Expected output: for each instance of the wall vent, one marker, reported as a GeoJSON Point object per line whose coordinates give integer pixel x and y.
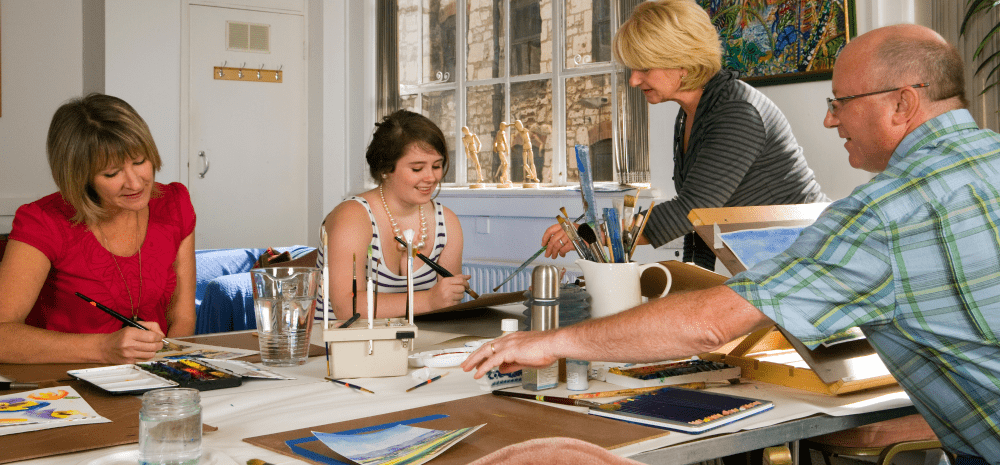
{"type": "Point", "coordinates": [246, 37]}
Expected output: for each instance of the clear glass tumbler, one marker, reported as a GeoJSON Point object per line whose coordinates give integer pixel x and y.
{"type": "Point", "coordinates": [170, 427]}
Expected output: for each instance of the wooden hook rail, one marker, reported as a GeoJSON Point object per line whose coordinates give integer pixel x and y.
{"type": "Point", "coordinates": [247, 74]}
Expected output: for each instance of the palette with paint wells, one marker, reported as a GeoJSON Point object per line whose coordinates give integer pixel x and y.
{"type": "Point", "coordinates": [141, 377]}
{"type": "Point", "coordinates": [672, 373]}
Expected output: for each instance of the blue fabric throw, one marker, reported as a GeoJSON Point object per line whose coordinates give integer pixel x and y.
{"type": "Point", "coordinates": [224, 295]}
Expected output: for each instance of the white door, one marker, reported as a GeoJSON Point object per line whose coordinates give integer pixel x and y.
{"type": "Point", "coordinates": [247, 153]}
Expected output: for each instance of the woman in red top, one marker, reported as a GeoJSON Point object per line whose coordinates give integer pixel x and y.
{"type": "Point", "coordinates": [110, 233]}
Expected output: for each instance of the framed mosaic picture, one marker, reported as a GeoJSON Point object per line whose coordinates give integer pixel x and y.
{"type": "Point", "coordinates": [781, 41]}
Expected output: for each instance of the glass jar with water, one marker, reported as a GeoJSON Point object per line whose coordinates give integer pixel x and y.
{"type": "Point", "coordinates": [170, 427]}
{"type": "Point", "coordinates": [285, 305]}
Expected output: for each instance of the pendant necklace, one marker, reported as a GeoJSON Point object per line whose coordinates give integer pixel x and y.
{"type": "Point", "coordinates": [395, 227]}
{"type": "Point", "coordinates": [132, 305]}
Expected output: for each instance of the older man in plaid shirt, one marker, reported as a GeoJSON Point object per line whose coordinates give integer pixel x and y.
{"type": "Point", "coordinates": [911, 257]}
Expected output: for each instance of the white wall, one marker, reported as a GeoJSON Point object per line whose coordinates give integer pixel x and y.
{"type": "Point", "coordinates": [143, 67]}
{"type": "Point", "coordinates": [42, 67]}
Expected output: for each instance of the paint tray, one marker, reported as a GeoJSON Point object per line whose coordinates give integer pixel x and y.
{"type": "Point", "coordinates": [122, 379]}
{"type": "Point", "coordinates": [672, 373]}
{"type": "Point", "coordinates": [146, 376]}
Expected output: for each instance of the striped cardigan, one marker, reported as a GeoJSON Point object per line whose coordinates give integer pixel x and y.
{"type": "Point", "coordinates": [741, 151]}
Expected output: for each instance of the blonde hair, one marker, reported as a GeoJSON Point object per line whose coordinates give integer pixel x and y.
{"type": "Point", "coordinates": [86, 136]}
{"type": "Point", "coordinates": [670, 34]}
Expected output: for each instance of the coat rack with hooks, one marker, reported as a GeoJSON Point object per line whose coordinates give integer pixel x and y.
{"type": "Point", "coordinates": [243, 73]}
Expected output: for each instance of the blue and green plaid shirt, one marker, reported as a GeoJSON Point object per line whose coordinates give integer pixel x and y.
{"type": "Point", "coordinates": [913, 259]}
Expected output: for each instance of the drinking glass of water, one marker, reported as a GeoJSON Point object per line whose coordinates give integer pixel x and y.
{"type": "Point", "coordinates": [170, 427]}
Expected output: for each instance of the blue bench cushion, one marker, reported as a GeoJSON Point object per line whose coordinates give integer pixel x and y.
{"type": "Point", "coordinates": [224, 295]}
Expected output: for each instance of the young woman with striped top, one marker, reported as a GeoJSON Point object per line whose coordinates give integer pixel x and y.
{"type": "Point", "coordinates": [407, 157]}
{"type": "Point", "coordinates": [732, 145]}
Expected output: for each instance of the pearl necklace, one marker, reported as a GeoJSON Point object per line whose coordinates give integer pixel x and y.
{"type": "Point", "coordinates": [133, 307]}
{"type": "Point", "coordinates": [395, 227]}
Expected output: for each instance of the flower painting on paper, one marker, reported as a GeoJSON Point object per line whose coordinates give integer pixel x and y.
{"type": "Point", "coordinates": [775, 41]}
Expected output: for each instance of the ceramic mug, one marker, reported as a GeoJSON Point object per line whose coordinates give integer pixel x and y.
{"type": "Point", "coordinates": [614, 287]}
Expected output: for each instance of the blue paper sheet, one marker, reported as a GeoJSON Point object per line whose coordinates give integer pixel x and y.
{"type": "Point", "coordinates": [753, 246]}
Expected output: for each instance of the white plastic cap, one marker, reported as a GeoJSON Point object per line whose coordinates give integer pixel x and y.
{"type": "Point", "coordinates": [509, 325]}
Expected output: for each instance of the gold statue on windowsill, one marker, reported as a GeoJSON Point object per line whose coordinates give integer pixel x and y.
{"type": "Point", "coordinates": [503, 150]}
{"type": "Point", "coordinates": [528, 155]}
{"type": "Point", "coordinates": [472, 146]}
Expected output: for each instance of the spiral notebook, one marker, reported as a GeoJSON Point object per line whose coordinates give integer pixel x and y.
{"type": "Point", "coordinates": [685, 410]}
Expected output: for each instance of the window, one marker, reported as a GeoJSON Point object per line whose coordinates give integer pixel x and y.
{"type": "Point", "coordinates": [545, 63]}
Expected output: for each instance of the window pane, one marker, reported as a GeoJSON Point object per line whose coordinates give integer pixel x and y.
{"type": "Point", "coordinates": [485, 53]}
{"type": "Point", "coordinates": [530, 37]}
{"type": "Point", "coordinates": [408, 42]}
{"type": "Point", "coordinates": [484, 112]}
{"type": "Point", "coordinates": [440, 108]}
{"type": "Point", "coordinates": [588, 122]}
{"type": "Point", "coordinates": [408, 102]}
{"type": "Point", "coordinates": [588, 31]}
{"type": "Point", "coordinates": [531, 103]}
{"type": "Point", "coordinates": [439, 40]}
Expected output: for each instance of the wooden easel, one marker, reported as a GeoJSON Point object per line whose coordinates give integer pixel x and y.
{"type": "Point", "coordinates": [838, 369]}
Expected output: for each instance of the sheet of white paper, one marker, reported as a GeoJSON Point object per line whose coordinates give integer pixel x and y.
{"type": "Point", "coordinates": [43, 409]}
{"type": "Point", "coordinates": [193, 350]}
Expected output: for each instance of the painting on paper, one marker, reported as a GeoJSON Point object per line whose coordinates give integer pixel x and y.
{"type": "Point", "coordinates": [781, 41]}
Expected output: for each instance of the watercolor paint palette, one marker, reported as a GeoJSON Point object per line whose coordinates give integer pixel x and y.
{"type": "Point", "coordinates": [679, 372]}
{"type": "Point", "coordinates": [141, 377]}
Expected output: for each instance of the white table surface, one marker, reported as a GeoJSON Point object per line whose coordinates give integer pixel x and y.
{"type": "Point", "coordinates": [260, 407]}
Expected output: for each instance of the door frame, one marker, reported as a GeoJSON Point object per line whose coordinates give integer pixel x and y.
{"type": "Point", "coordinates": [267, 6]}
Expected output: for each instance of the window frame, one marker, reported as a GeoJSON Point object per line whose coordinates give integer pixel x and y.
{"type": "Point", "coordinates": [558, 76]}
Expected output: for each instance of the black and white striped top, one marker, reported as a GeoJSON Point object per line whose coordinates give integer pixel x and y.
{"type": "Point", "coordinates": [741, 152]}
{"type": "Point", "coordinates": [423, 279]}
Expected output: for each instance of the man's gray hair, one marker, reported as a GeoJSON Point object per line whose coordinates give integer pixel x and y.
{"type": "Point", "coordinates": [900, 60]}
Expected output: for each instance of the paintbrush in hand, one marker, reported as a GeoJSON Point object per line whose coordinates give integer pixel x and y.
{"type": "Point", "coordinates": [531, 258]}
{"type": "Point", "coordinates": [439, 269]}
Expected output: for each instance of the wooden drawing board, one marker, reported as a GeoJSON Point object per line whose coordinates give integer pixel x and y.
{"type": "Point", "coordinates": [508, 421]}
{"type": "Point", "coordinates": [123, 411]}
{"type": "Point", "coordinates": [837, 369]}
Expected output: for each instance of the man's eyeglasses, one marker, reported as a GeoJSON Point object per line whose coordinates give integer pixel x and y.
{"type": "Point", "coordinates": [830, 102]}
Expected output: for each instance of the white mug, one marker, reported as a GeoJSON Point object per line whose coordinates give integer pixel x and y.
{"type": "Point", "coordinates": [614, 287]}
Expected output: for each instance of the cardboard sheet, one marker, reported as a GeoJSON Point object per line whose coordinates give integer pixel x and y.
{"type": "Point", "coordinates": [508, 421]}
{"type": "Point", "coordinates": [123, 411]}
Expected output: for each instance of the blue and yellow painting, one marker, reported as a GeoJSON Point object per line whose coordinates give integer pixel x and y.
{"type": "Point", "coordinates": [768, 38]}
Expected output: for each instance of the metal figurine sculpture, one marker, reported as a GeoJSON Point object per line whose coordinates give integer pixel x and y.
{"type": "Point", "coordinates": [500, 147]}
{"type": "Point", "coordinates": [528, 155]}
{"type": "Point", "coordinates": [472, 146]}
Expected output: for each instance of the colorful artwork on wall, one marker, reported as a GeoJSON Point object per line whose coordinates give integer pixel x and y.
{"type": "Point", "coordinates": [781, 41]}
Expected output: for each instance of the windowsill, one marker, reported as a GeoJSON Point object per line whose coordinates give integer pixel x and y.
{"type": "Point", "coordinates": [540, 202]}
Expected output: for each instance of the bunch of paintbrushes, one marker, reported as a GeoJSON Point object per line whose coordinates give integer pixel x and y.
{"type": "Point", "coordinates": [611, 241]}
{"type": "Point", "coordinates": [614, 240]}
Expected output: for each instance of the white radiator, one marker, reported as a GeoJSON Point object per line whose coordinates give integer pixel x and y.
{"type": "Point", "coordinates": [487, 275]}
